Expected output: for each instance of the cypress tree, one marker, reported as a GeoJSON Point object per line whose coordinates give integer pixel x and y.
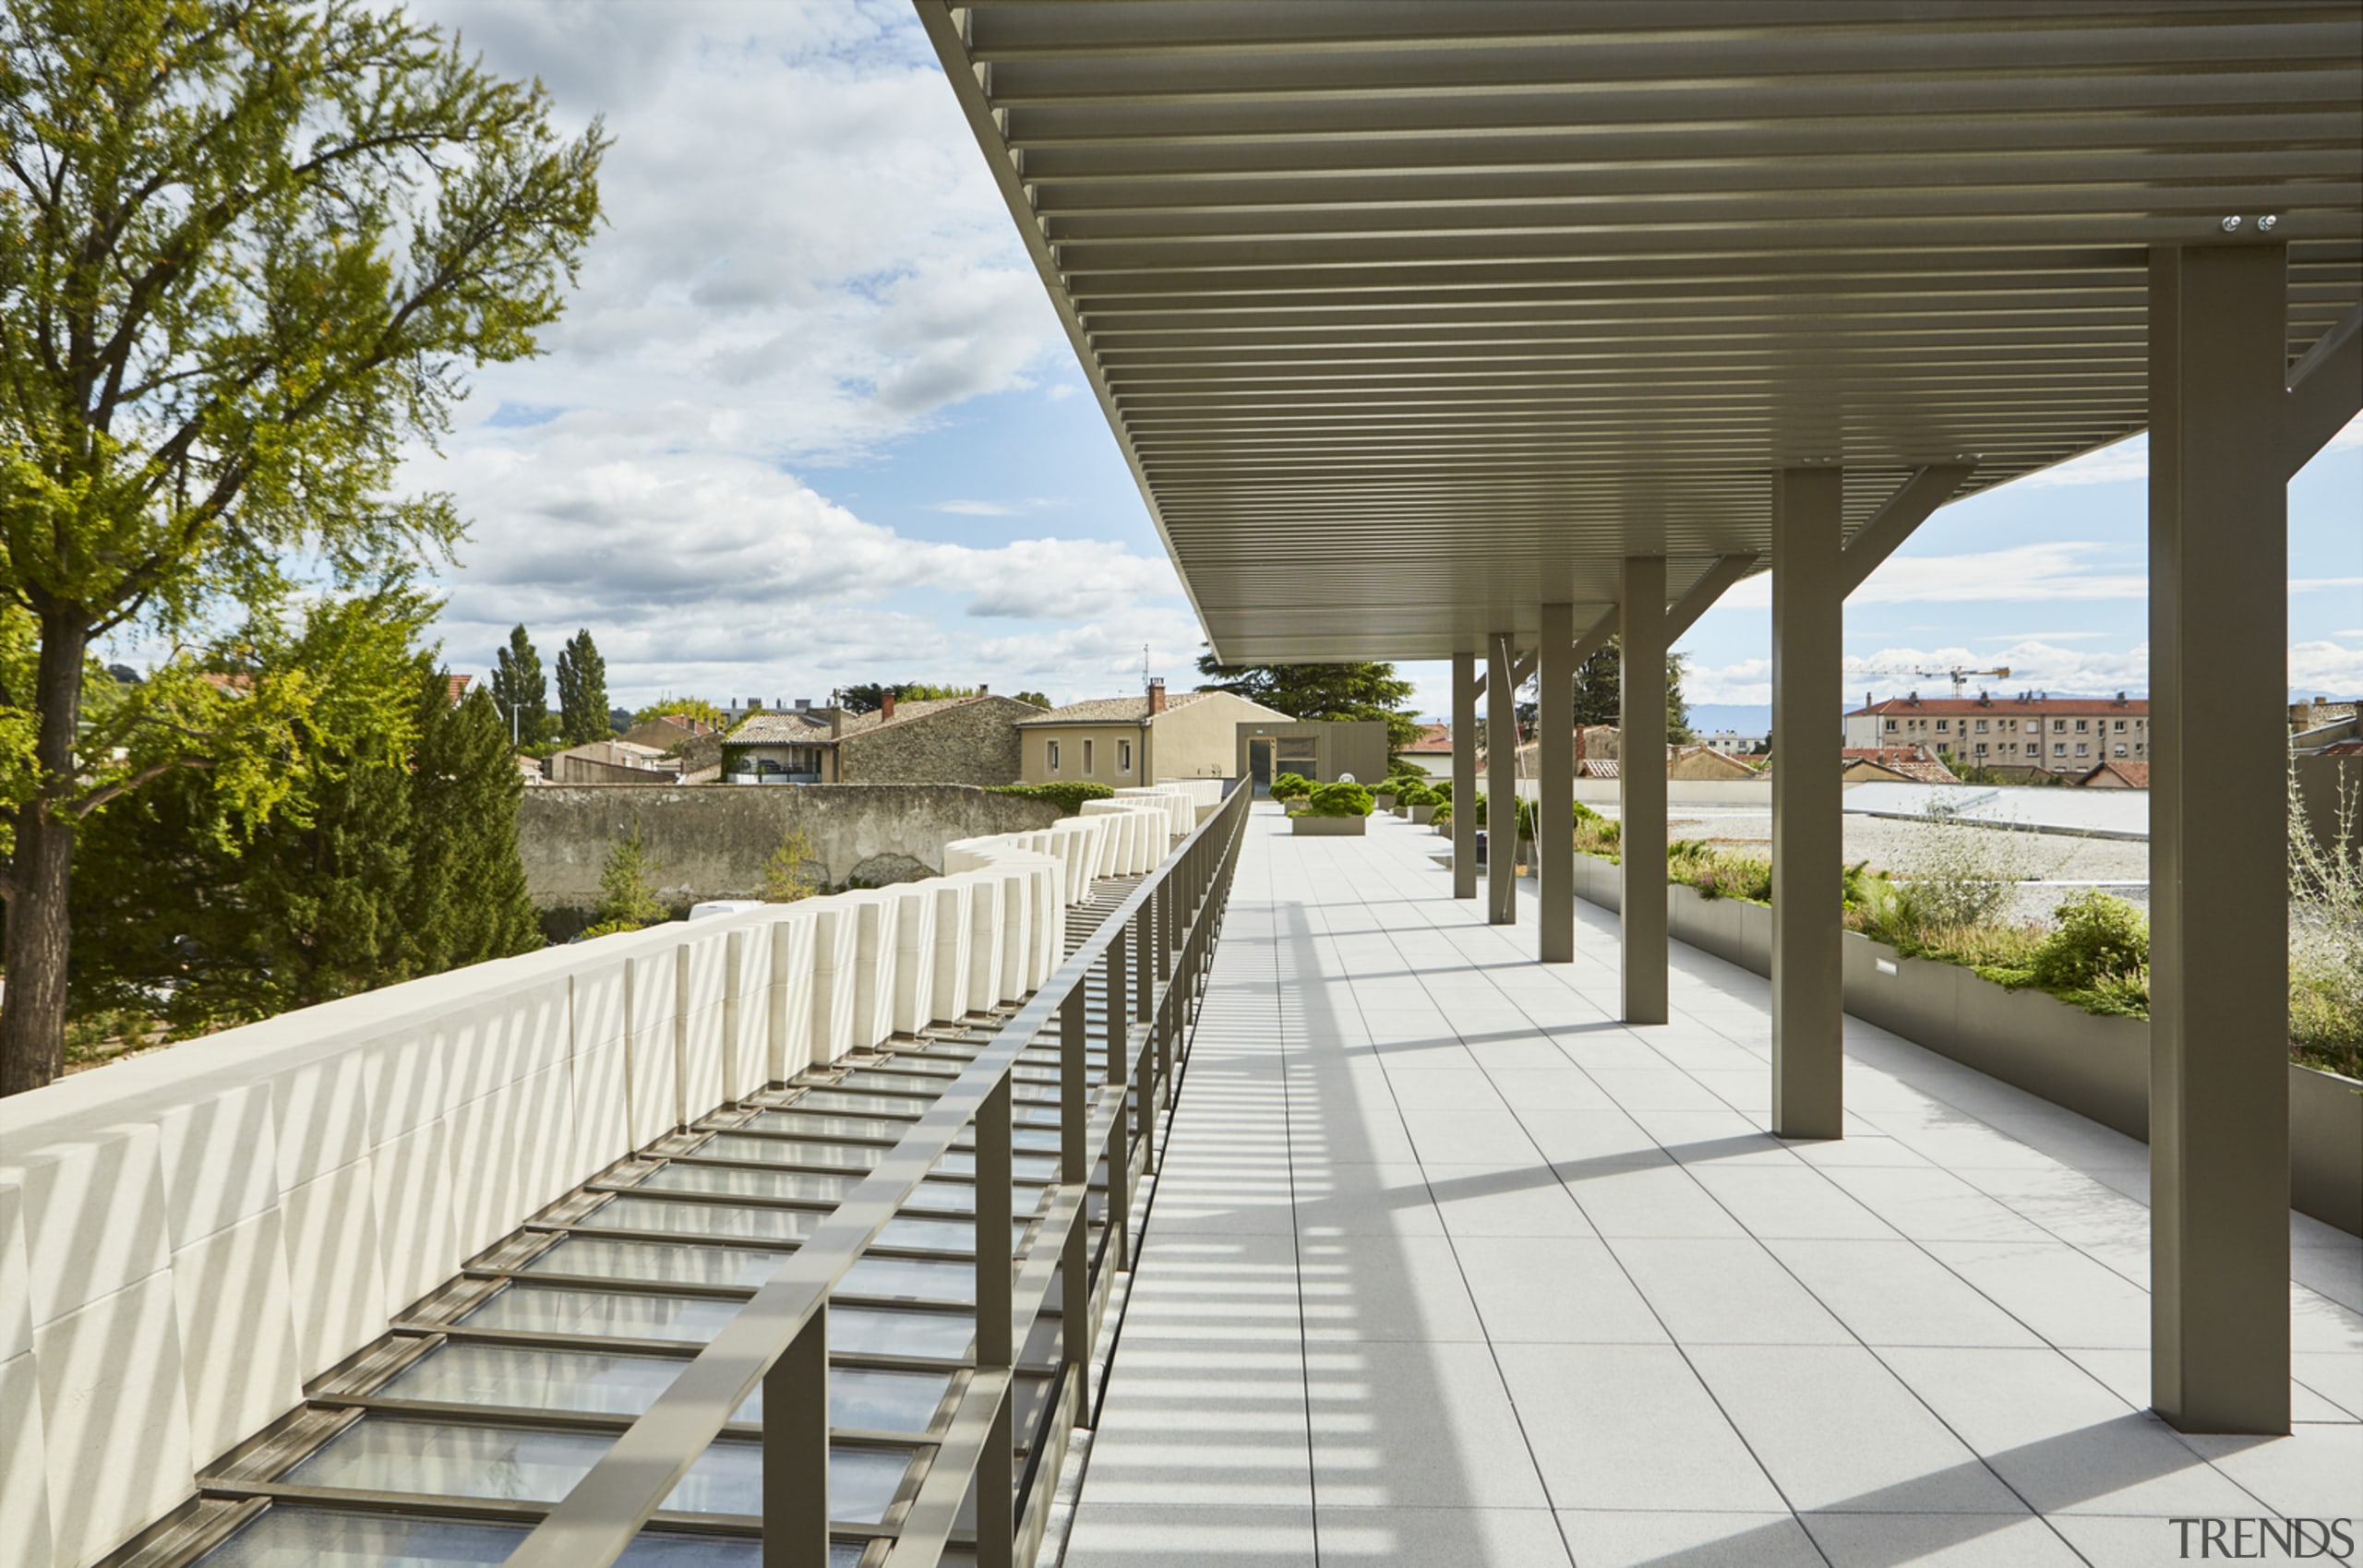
{"type": "Point", "coordinates": [581, 691]}
{"type": "Point", "coordinates": [467, 900]}
{"type": "Point", "coordinates": [519, 690]}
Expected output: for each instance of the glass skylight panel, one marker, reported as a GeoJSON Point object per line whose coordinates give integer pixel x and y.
{"type": "Point", "coordinates": [541, 1465]}
{"type": "Point", "coordinates": [914, 1280]}
{"type": "Point", "coordinates": [893, 1082]}
{"type": "Point", "coordinates": [294, 1535]}
{"type": "Point", "coordinates": [603, 1314]}
{"type": "Point", "coordinates": [787, 1184]}
{"type": "Point", "coordinates": [781, 1151]}
{"type": "Point", "coordinates": [1026, 1167]}
{"type": "Point", "coordinates": [866, 1105]}
{"type": "Point", "coordinates": [701, 1219]}
{"type": "Point", "coordinates": [828, 1126]}
{"type": "Point", "coordinates": [937, 1235]}
{"type": "Point", "coordinates": [623, 1383]}
{"type": "Point", "coordinates": [659, 1262]}
{"type": "Point", "coordinates": [878, 1331]}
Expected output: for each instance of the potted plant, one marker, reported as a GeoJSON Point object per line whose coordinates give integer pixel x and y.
{"type": "Point", "coordinates": [1440, 818]}
{"type": "Point", "coordinates": [1292, 790]}
{"type": "Point", "coordinates": [1335, 809]}
{"type": "Point", "coordinates": [1416, 801]}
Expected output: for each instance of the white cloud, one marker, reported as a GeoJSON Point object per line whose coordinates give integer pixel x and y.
{"type": "Point", "coordinates": [2314, 584]}
{"type": "Point", "coordinates": [2109, 465]}
{"type": "Point", "coordinates": [2023, 573]}
{"type": "Point", "coordinates": [976, 509]}
{"type": "Point", "coordinates": [685, 559]}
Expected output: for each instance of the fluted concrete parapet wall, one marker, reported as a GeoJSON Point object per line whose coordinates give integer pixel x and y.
{"type": "Point", "coordinates": [187, 1236]}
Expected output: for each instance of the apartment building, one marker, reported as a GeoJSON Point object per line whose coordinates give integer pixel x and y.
{"type": "Point", "coordinates": [2062, 734]}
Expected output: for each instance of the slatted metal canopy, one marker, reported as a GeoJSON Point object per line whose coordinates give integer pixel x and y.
{"type": "Point", "coordinates": [1412, 316]}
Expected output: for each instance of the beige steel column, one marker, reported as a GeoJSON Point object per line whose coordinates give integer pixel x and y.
{"type": "Point", "coordinates": [1555, 799]}
{"type": "Point", "coordinates": [2219, 962]}
{"type": "Point", "coordinates": [1808, 889]}
{"type": "Point", "coordinates": [1501, 789]}
{"type": "Point", "coordinates": [1640, 790]}
{"type": "Point", "coordinates": [1464, 775]}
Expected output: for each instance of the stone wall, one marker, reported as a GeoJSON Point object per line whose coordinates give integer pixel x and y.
{"type": "Point", "coordinates": [712, 841]}
{"type": "Point", "coordinates": [971, 743]}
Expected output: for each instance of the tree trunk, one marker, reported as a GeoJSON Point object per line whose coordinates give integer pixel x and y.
{"type": "Point", "coordinates": [33, 1013]}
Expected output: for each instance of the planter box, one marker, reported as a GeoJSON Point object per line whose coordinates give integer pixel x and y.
{"type": "Point", "coordinates": [1384, 798]}
{"type": "Point", "coordinates": [1294, 808]}
{"type": "Point", "coordinates": [1423, 814]}
{"type": "Point", "coordinates": [2096, 1066]}
{"type": "Point", "coordinates": [1403, 811]}
{"type": "Point", "coordinates": [1330, 827]}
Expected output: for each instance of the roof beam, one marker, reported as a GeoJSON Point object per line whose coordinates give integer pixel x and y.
{"type": "Point", "coordinates": [1893, 522]}
{"type": "Point", "coordinates": [1711, 586]}
{"type": "Point", "coordinates": [2325, 392]}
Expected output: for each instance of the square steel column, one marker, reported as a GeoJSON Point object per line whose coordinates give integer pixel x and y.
{"type": "Point", "coordinates": [1808, 846]}
{"type": "Point", "coordinates": [1555, 799]}
{"type": "Point", "coordinates": [1501, 789]}
{"type": "Point", "coordinates": [1640, 790]}
{"type": "Point", "coordinates": [2219, 960]}
{"type": "Point", "coordinates": [1464, 775]}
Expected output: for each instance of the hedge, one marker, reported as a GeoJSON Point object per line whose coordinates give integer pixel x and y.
{"type": "Point", "coordinates": [1068, 798]}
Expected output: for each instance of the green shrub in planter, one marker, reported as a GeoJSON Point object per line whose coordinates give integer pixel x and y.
{"type": "Point", "coordinates": [1417, 793]}
{"type": "Point", "coordinates": [1443, 817]}
{"type": "Point", "coordinates": [1442, 788]}
{"type": "Point", "coordinates": [1068, 798]}
{"type": "Point", "coordinates": [1339, 800]}
{"type": "Point", "coordinates": [2093, 936]}
{"type": "Point", "coordinates": [1292, 787]}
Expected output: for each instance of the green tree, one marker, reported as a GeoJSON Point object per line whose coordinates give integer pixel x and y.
{"type": "Point", "coordinates": [628, 898]}
{"type": "Point", "coordinates": [467, 900]}
{"type": "Point", "coordinates": [368, 872]}
{"type": "Point", "coordinates": [581, 691]}
{"type": "Point", "coordinates": [696, 708]}
{"type": "Point", "coordinates": [1599, 694]}
{"type": "Point", "coordinates": [247, 250]}
{"type": "Point", "coordinates": [1038, 699]}
{"type": "Point", "coordinates": [1322, 692]}
{"type": "Point", "coordinates": [790, 874]}
{"type": "Point", "coordinates": [521, 691]}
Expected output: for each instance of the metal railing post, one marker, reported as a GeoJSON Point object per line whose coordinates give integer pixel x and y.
{"type": "Point", "coordinates": [1119, 1139]}
{"type": "Point", "coordinates": [796, 1450]}
{"type": "Point", "coordinates": [996, 1507]}
{"type": "Point", "coordinates": [1074, 1169]}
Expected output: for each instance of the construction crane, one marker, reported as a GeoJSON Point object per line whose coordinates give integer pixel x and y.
{"type": "Point", "coordinates": [1958, 676]}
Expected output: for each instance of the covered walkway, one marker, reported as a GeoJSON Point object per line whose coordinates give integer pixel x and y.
{"type": "Point", "coordinates": [1447, 1265]}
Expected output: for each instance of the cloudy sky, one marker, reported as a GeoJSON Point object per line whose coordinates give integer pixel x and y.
{"type": "Point", "coordinates": [809, 421]}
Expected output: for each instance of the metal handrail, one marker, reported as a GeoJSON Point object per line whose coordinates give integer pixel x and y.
{"type": "Point", "coordinates": [779, 1340]}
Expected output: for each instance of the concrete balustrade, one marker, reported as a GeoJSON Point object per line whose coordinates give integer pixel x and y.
{"type": "Point", "coordinates": [187, 1237]}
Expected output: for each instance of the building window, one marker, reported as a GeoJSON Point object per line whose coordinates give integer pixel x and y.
{"type": "Point", "coordinates": [1890, 724]}
{"type": "Point", "coordinates": [2033, 725]}
{"type": "Point", "coordinates": [2080, 726]}
{"type": "Point", "coordinates": [1054, 756]}
{"type": "Point", "coordinates": [2120, 727]}
{"type": "Point", "coordinates": [1087, 760]}
{"type": "Point", "coordinates": [2059, 727]}
{"type": "Point", "coordinates": [1943, 725]}
{"type": "Point", "coordinates": [2082, 748]}
{"type": "Point", "coordinates": [2059, 749]}
{"type": "Point", "coordinates": [1980, 748]}
{"type": "Point", "coordinates": [1123, 756]}
{"type": "Point", "coordinates": [2120, 749]}
{"type": "Point", "coordinates": [1981, 727]}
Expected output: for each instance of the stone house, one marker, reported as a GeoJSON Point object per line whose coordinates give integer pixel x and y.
{"type": "Point", "coordinates": [970, 740]}
{"type": "Point", "coordinates": [1132, 740]}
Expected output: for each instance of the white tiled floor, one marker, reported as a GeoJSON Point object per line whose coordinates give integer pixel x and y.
{"type": "Point", "coordinates": [1447, 1266]}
